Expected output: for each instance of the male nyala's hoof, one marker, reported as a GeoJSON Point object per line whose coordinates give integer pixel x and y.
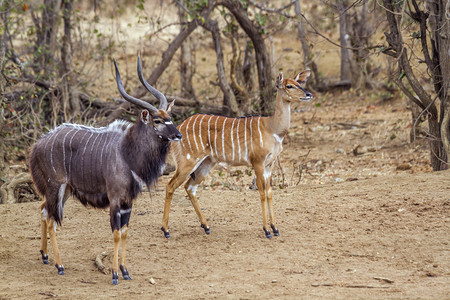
{"type": "Point", "coordinates": [115, 279]}
{"type": "Point", "coordinates": [267, 232]}
{"type": "Point", "coordinates": [44, 257]}
{"type": "Point", "coordinates": [60, 269]}
{"type": "Point", "coordinates": [206, 228]}
{"type": "Point", "coordinates": [166, 233]}
{"type": "Point", "coordinates": [125, 274]}
{"type": "Point", "coordinates": [275, 230]}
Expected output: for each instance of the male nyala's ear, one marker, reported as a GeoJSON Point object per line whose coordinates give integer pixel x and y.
{"type": "Point", "coordinates": [280, 80]}
{"type": "Point", "coordinates": [145, 116]}
{"type": "Point", "coordinates": [303, 76]}
{"type": "Point", "coordinates": [169, 107]}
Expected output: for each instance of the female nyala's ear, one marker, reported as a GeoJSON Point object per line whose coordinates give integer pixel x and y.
{"type": "Point", "coordinates": [169, 107]}
{"type": "Point", "coordinates": [303, 76]}
{"type": "Point", "coordinates": [279, 83]}
{"type": "Point", "coordinates": [145, 116]}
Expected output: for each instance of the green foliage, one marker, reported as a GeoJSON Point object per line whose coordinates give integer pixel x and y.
{"type": "Point", "coordinates": [416, 35]}
{"type": "Point", "coordinates": [194, 7]}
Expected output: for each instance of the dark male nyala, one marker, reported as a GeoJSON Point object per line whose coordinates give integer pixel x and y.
{"type": "Point", "coordinates": [102, 167]}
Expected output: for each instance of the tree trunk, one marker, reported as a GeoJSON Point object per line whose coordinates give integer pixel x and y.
{"type": "Point", "coordinates": [308, 56]}
{"type": "Point", "coordinates": [187, 62]}
{"type": "Point", "coordinates": [173, 47]}
{"type": "Point", "coordinates": [229, 99]}
{"type": "Point", "coordinates": [438, 134]}
{"type": "Point", "coordinates": [167, 56]}
{"type": "Point", "coordinates": [236, 72]}
{"type": "Point", "coordinates": [70, 99]}
{"type": "Point", "coordinates": [267, 104]}
{"type": "Point", "coordinates": [440, 39]}
{"type": "Point", "coordinates": [46, 42]}
{"type": "Point", "coordinates": [344, 35]}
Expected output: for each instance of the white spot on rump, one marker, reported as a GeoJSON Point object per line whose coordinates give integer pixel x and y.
{"type": "Point", "coordinates": [188, 156]}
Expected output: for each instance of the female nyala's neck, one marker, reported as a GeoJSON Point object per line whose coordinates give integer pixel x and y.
{"type": "Point", "coordinates": [280, 121]}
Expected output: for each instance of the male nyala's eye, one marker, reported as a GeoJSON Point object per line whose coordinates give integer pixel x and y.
{"type": "Point", "coordinates": [158, 122]}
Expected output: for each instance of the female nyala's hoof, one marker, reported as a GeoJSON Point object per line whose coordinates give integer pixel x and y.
{"type": "Point", "coordinates": [275, 230]}
{"type": "Point", "coordinates": [125, 274]}
{"type": "Point", "coordinates": [206, 228]}
{"type": "Point", "coordinates": [115, 279]}
{"type": "Point", "coordinates": [267, 232]}
{"type": "Point", "coordinates": [166, 233]}
{"type": "Point", "coordinates": [60, 269]}
{"type": "Point", "coordinates": [44, 257]}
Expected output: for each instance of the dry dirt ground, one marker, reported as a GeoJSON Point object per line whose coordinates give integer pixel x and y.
{"type": "Point", "coordinates": [369, 226]}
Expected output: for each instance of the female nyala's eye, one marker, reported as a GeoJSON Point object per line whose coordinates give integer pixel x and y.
{"type": "Point", "coordinates": [289, 86]}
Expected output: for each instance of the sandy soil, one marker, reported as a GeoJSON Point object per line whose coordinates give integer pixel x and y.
{"type": "Point", "coordinates": [373, 225]}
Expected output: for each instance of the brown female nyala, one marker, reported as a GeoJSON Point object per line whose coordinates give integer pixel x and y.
{"type": "Point", "coordinates": [248, 141]}
{"type": "Point", "coordinates": [102, 167]}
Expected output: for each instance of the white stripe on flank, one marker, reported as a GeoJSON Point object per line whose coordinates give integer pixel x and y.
{"type": "Point", "coordinates": [187, 133]}
{"type": "Point", "coordinates": [260, 135]}
{"type": "Point", "coordinates": [64, 152]}
{"type": "Point", "coordinates": [209, 135]}
{"type": "Point", "coordinates": [251, 135]}
{"type": "Point", "coordinates": [223, 139]}
{"type": "Point", "coordinates": [245, 139]}
{"type": "Point", "coordinates": [238, 139]}
{"type": "Point", "coordinates": [83, 156]}
{"type": "Point", "coordinates": [95, 163]}
{"type": "Point", "coordinates": [232, 141]}
{"type": "Point", "coordinates": [193, 132]}
{"type": "Point", "coordinates": [215, 137]}
{"type": "Point", "coordinates": [51, 151]}
{"type": "Point", "coordinates": [78, 143]}
{"type": "Point", "coordinates": [103, 148]}
{"type": "Point", "coordinates": [200, 132]}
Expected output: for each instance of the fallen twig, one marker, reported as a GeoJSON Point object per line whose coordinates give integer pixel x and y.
{"type": "Point", "coordinates": [384, 279]}
{"type": "Point", "coordinates": [99, 263]}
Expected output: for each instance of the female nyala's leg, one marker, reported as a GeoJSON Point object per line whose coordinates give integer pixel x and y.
{"type": "Point", "coordinates": [191, 185]}
{"type": "Point", "coordinates": [273, 224]}
{"type": "Point", "coordinates": [262, 189]}
{"type": "Point", "coordinates": [178, 178]}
